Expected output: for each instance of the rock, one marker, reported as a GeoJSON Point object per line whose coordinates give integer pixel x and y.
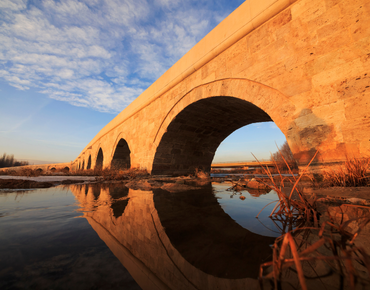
{"type": "Point", "coordinates": [202, 175]}
{"type": "Point", "coordinates": [143, 184]}
{"type": "Point", "coordinates": [176, 187]}
{"type": "Point", "coordinates": [342, 214]}
{"type": "Point", "coordinates": [358, 201]}
{"type": "Point", "coordinates": [256, 185]}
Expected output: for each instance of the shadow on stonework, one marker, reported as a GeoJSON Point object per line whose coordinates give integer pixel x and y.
{"type": "Point", "coordinates": [308, 134]}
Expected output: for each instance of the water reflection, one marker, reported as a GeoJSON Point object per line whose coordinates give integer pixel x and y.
{"type": "Point", "coordinates": [44, 245]}
{"type": "Point", "coordinates": [207, 237]}
{"type": "Point", "coordinates": [182, 240]}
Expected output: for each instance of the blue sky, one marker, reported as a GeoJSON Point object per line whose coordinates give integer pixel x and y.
{"type": "Point", "coordinates": [69, 67]}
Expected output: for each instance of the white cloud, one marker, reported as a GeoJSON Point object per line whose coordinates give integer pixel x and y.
{"type": "Point", "coordinates": [13, 5]}
{"type": "Point", "coordinates": [99, 54]}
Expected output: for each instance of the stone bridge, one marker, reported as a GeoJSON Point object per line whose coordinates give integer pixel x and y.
{"type": "Point", "coordinates": [303, 64]}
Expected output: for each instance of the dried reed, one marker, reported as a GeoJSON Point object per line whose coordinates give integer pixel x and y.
{"type": "Point", "coordinates": [352, 173]}
{"type": "Point", "coordinates": [331, 243]}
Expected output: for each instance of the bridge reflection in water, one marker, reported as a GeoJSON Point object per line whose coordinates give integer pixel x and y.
{"type": "Point", "coordinates": [174, 240]}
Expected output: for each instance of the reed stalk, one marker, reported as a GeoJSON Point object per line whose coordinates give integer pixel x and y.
{"type": "Point", "coordinates": [330, 243]}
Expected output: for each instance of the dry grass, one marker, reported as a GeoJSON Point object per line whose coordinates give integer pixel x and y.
{"type": "Point", "coordinates": [305, 242]}
{"type": "Point", "coordinates": [295, 205]}
{"type": "Point", "coordinates": [301, 250]}
{"type": "Point", "coordinates": [353, 173]}
{"type": "Point", "coordinates": [21, 172]}
{"type": "Point", "coordinates": [105, 174]}
{"type": "Point", "coordinates": [116, 174]}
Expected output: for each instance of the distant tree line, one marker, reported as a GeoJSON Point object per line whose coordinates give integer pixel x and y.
{"type": "Point", "coordinates": [284, 152]}
{"type": "Point", "coordinates": [9, 161]}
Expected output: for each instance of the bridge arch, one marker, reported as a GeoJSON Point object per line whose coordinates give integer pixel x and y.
{"type": "Point", "coordinates": [194, 127]}
{"type": "Point", "coordinates": [121, 154]}
{"type": "Point", "coordinates": [88, 166]}
{"type": "Point", "coordinates": [99, 159]}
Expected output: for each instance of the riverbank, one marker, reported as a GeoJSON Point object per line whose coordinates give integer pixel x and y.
{"type": "Point", "coordinates": [169, 183]}
{"type": "Point", "coordinates": [25, 182]}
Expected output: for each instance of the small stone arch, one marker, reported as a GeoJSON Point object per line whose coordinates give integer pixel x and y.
{"type": "Point", "coordinates": [83, 165]}
{"type": "Point", "coordinates": [121, 155]}
{"type": "Point", "coordinates": [88, 166]}
{"type": "Point", "coordinates": [99, 159]}
{"type": "Point", "coordinates": [66, 169]}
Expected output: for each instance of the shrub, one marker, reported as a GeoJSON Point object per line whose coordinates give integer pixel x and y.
{"type": "Point", "coordinates": [9, 161]}
{"type": "Point", "coordinates": [284, 158]}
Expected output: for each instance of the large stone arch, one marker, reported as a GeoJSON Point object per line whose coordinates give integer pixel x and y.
{"type": "Point", "coordinates": [121, 154]}
{"type": "Point", "coordinates": [195, 126]}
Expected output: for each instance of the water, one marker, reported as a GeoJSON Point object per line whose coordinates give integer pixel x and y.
{"type": "Point", "coordinates": [244, 211]}
{"type": "Point", "coordinates": [45, 244]}
{"type": "Point", "coordinates": [111, 237]}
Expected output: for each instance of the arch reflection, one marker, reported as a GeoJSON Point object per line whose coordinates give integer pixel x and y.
{"type": "Point", "coordinates": [173, 241]}
{"type": "Point", "coordinates": [207, 237]}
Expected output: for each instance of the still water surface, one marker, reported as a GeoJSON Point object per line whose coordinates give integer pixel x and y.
{"type": "Point", "coordinates": [108, 236]}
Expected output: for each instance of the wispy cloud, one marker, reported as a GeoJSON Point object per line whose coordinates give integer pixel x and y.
{"type": "Point", "coordinates": [21, 120]}
{"type": "Point", "coordinates": [99, 54]}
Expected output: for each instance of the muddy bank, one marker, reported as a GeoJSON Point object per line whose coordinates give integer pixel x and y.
{"type": "Point", "coordinates": [172, 184]}
{"type": "Point", "coordinates": [23, 184]}
{"type": "Point", "coordinates": [340, 192]}
{"type": "Point", "coordinates": [19, 182]}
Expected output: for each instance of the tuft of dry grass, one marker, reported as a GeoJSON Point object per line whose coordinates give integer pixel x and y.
{"type": "Point", "coordinates": [352, 173]}
{"type": "Point", "coordinates": [294, 206]}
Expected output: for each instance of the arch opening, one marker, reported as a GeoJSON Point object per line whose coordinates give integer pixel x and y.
{"type": "Point", "coordinates": [99, 160]}
{"type": "Point", "coordinates": [121, 158]}
{"type": "Point", "coordinates": [194, 135]}
{"type": "Point", "coordinates": [89, 163]}
{"type": "Point", "coordinates": [239, 146]}
{"type": "Point", "coordinates": [83, 165]}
